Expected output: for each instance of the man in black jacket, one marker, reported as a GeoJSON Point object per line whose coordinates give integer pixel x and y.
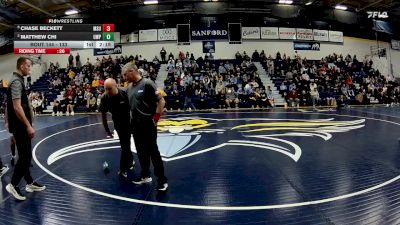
{"type": "Point", "coordinates": [116, 102]}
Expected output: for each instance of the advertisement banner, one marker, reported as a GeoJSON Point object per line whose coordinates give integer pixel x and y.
{"type": "Point", "coordinates": [250, 33]}
{"type": "Point", "coordinates": [321, 35]}
{"type": "Point", "coordinates": [214, 31]}
{"type": "Point", "coordinates": [335, 36]}
{"type": "Point", "coordinates": [208, 46]}
{"type": "Point", "coordinates": [304, 34]}
{"type": "Point", "coordinates": [395, 44]}
{"type": "Point", "coordinates": [114, 51]}
{"type": "Point", "coordinates": [167, 34]}
{"type": "Point", "coordinates": [148, 35]}
{"type": "Point", "coordinates": [307, 46]}
{"type": "Point", "coordinates": [287, 33]}
{"type": "Point", "coordinates": [269, 33]}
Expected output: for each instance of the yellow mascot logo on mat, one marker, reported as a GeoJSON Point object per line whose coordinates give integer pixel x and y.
{"type": "Point", "coordinates": [174, 126]}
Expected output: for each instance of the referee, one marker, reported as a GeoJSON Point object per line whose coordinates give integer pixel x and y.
{"type": "Point", "coordinates": [19, 116]}
{"type": "Point", "coordinates": [147, 105]}
{"type": "Point", "coordinates": [116, 102]}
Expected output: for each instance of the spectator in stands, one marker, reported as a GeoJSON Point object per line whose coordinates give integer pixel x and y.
{"type": "Point", "coordinates": [270, 97]}
{"type": "Point", "coordinates": [189, 91]}
{"type": "Point", "coordinates": [256, 56]}
{"type": "Point", "coordinates": [62, 107]}
{"type": "Point", "coordinates": [314, 97]}
{"type": "Point", "coordinates": [231, 98]}
{"type": "Point", "coordinates": [70, 106]}
{"type": "Point", "coordinates": [176, 103]}
{"type": "Point", "coordinates": [255, 98]}
{"type": "Point", "coordinates": [203, 101]}
{"type": "Point", "coordinates": [292, 86]}
{"type": "Point", "coordinates": [91, 103]}
{"type": "Point", "coordinates": [56, 110]}
{"type": "Point", "coordinates": [283, 89]}
{"type": "Point", "coordinates": [293, 98]}
{"type": "Point", "coordinates": [171, 56]}
{"type": "Point", "coordinates": [35, 105]}
{"type": "Point", "coordinates": [78, 61]}
{"type": "Point", "coordinates": [163, 53]}
{"type": "Point", "coordinates": [220, 92]}
{"type": "Point", "coordinates": [70, 61]}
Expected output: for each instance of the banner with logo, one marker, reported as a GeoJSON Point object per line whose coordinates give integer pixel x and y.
{"type": "Point", "coordinates": [167, 34]}
{"type": "Point", "coordinates": [251, 33]}
{"type": "Point", "coordinates": [321, 35]}
{"type": "Point", "coordinates": [115, 51]}
{"type": "Point", "coordinates": [214, 31]}
{"type": "Point", "coordinates": [307, 46]}
{"type": "Point", "coordinates": [287, 33]}
{"type": "Point", "coordinates": [395, 44]}
{"type": "Point", "coordinates": [269, 33]}
{"type": "Point", "coordinates": [335, 36]}
{"type": "Point", "coordinates": [304, 34]}
{"type": "Point", "coordinates": [208, 46]}
{"type": "Point", "coordinates": [148, 35]}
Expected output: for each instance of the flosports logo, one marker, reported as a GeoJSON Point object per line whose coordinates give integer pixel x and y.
{"type": "Point", "coordinates": [377, 14]}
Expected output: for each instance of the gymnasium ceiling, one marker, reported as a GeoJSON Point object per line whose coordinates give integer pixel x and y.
{"type": "Point", "coordinates": [320, 12]}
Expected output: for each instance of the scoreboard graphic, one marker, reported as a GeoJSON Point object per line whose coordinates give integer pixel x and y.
{"type": "Point", "coordinates": [59, 37]}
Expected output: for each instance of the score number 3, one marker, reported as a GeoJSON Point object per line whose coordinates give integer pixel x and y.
{"type": "Point", "coordinates": [108, 27]}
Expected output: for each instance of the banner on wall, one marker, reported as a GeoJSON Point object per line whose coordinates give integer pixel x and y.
{"type": "Point", "coordinates": [214, 31]}
{"type": "Point", "coordinates": [148, 35]}
{"type": "Point", "coordinates": [269, 33]}
{"type": "Point", "coordinates": [167, 34]}
{"type": "Point", "coordinates": [395, 44]}
{"type": "Point", "coordinates": [307, 46]}
{"type": "Point", "coordinates": [304, 34]}
{"type": "Point", "coordinates": [124, 38]}
{"type": "Point", "coordinates": [251, 33]}
{"type": "Point", "coordinates": [208, 46]}
{"type": "Point", "coordinates": [321, 35]}
{"type": "Point", "coordinates": [335, 36]}
{"type": "Point", "coordinates": [287, 33]}
{"type": "Point", "coordinates": [115, 51]}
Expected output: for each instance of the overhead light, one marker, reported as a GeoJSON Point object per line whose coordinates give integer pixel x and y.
{"type": "Point", "coordinates": [341, 7]}
{"type": "Point", "coordinates": [150, 2]}
{"type": "Point", "coordinates": [288, 2]}
{"type": "Point", "coordinates": [308, 3]}
{"type": "Point", "coordinates": [71, 12]}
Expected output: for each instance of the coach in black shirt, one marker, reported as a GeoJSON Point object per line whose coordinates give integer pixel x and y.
{"type": "Point", "coordinates": [19, 119]}
{"type": "Point", "coordinates": [116, 102]}
{"type": "Point", "coordinates": [147, 105]}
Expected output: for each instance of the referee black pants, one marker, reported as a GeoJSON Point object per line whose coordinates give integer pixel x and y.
{"type": "Point", "coordinates": [126, 160]}
{"type": "Point", "coordinates": [144, 132]}
{"type": "Point", "coordinates": [24, 147]}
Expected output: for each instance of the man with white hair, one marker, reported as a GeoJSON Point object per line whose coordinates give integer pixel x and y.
{"type": "Point", "coordinates": [146, 105]}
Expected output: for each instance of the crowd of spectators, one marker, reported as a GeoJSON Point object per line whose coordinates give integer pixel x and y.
{"type": "Point", "coordinates": [83, 85]}
{"type": "Point", "coordinates": [205, 83]}
{"type": "Point", "coordinates": [332, 81]}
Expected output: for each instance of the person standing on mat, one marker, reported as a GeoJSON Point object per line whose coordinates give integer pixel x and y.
{"type": "Point", "coordinates": [19, 116]}
{"type": "Point", "coordinates": [12, 141]}
{"type": "Point", "coordinates": [3, 169]}
{"type": "Point", "coordinates": [116, 102]}
{"type": "Point", "coordinates": [147, 104]}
